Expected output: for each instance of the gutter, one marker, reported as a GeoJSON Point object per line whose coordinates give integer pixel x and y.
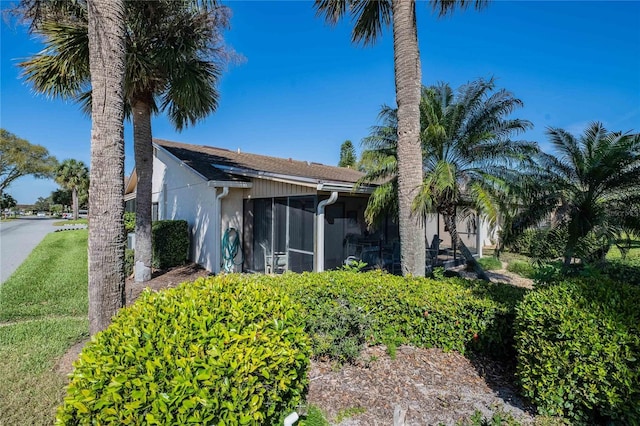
{"type": "Point", "coordinates": [319, 257]}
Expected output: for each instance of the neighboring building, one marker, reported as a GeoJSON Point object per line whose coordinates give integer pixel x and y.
{"type": "Point", "coordinates": [290, 215]}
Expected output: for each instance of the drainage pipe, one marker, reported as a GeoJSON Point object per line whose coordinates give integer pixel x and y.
{"type": "Point", "coordinates": [320, 231]}
{"type": "Point", "coordinates": [217, 262]}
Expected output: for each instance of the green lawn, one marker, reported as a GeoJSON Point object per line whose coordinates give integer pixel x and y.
{"type": "Point", "coordinates": [43, 311]}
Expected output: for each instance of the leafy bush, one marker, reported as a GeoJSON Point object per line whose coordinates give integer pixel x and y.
{"type": "Point", "coordinates": [578, 350]}
{"type": "Point", "coordinates": [490, 263]}
{"type": "Point", "coordinates": [129, 222]}
{"type": "Point", "coordinates": [344, 310]}
{"type": "Point", "coordinates": [626, 271]}
{"type": "Point", "coordinates": [129, 261]}
{"type": "Point", "coordinates": [170, 243]}
{"type": "Point", "coordinates": [522, 268]}
{"type": "Point", "coordinates": [540, 243]}
{"type": "Point", "coordinates": [224, 350]}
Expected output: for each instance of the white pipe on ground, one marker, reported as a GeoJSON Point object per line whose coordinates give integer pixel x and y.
{"type": "Point", "coordinates": [319, 267]}
{"type": "Point", "coordinates": [291, 419]}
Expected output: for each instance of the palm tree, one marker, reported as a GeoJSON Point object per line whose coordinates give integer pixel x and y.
{"type": "Point", "coordinates": [370, 17]}
{"type": "Point", "coordinates": [106, 47]}
{"type": "Point", "coordinates": [466, 155]}
{"type": "Point", "coordinates": [173, 64]}
{"type": "Point", "coordinates": [591, 187]}
{"type": "Point", "coordinates": [469, 158]}
{"type": "Point", "coordinates": [104, 70]}
{"type": "Point", "coordinates": [72, 175]}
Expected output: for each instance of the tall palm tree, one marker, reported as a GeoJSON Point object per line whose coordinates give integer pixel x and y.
{"type": "Point", "coordinates": [591, 186]}
{"type": "Point", "coordinates": [370, 17]}
{"type": "Point", "coordinates": [174, 57]}
{"type": "Point", "coordinates": [106, 47]}
{"type": "Point", "coordinates": [72, 175]}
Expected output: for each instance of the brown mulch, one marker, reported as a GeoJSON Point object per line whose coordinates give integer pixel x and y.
{"type": "Point", "coordinates": [426, 386]}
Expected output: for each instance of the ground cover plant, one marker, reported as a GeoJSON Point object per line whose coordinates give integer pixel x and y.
{"type": "Point", "coordinates": [578, 350]}
{"type": "Point", "coordinates": [43, 311]}
{"type": "Point", "coordinates": [490, 263]}
{"type": "Point", "coordinates": [222, 350]}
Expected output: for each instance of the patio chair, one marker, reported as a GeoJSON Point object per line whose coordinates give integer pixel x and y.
{"type": "Point", "coordinates": [275, 263]}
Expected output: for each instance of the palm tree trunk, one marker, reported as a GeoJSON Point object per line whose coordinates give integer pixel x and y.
{"type": "Point", "coordinates": [143, 149]}
{"type": "Point", "coordinates": [407, 79]}
{"type": "Point", "coordinates": [106, 206]}
{"type": "Point", "coordinates": [450, 220]}
{"type": "Point", "coordinates": [74, 201]}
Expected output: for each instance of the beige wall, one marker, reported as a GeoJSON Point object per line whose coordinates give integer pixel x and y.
{"type": "Point", "coordinates": [268, 188]}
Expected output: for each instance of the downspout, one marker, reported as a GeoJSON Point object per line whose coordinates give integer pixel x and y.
{"type": "Point", "coordinates": [217, 261]}
{"type": "Point", "coordinates": [319, 267]}
{"type": "Point", "coordinates": [479, 235]}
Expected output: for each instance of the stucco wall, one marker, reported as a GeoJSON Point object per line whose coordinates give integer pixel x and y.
{"type": "Point", "coordinates": [266, 189]}
{"type": "Point", "coordinates": [182, 194]}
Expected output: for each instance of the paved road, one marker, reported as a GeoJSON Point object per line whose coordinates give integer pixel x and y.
{"type": "Point", "coordinates": [17, 238]}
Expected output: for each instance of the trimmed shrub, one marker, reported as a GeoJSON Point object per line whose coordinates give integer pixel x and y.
{"type": "Point", "coordinates": [344, 310]}
{"type": "Point", "coordinates": [578, 350]}
{"type": "Point", "coordinates": [225, 350]}
{"type": "Point", "coordinates": [490, 263]}
{"type": "Point", "coordinates": [522, 268]}
{"type": "Point", "coordinates": [170, 243]}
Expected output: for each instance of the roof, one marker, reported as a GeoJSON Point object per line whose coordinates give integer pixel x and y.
{"type": "Point", "coordinates": [224, 165]}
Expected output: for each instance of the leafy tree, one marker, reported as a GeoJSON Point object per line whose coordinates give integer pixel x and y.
{"type": "Point", "coordinates": [42, 204]}
{"type": "Point", "coordinates": [62, 196]}
{"type": "Point", "coordinates": [20, 158]}
{"type": "Point", "coordinates": [174, 58]}
{"type": "Point", "coordinates": [7, 201]}
{"type": "Point", "coordinates": [347, 155]}
{"type": "Point", "coordinates": [590, 187]}
{"type": "Point", "coordinates": [73, 175]}
{"type": "Point", "coordinates": [370, 17]}
{"type": "Point", "coordinates": [467, 155]}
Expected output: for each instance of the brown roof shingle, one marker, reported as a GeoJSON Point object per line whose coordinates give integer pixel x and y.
{"type": "Point", "coordinates": [202, 158]}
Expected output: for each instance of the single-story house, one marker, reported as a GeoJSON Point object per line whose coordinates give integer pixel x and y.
{"type": "Point", "coordinates": [286, 214]}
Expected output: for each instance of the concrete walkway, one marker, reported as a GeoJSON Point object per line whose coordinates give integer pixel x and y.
{"type": "Point", "coordinates": [18, 237]}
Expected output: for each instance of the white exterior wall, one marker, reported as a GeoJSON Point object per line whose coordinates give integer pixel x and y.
{"type": "Point", "coordinates": [182, 194]}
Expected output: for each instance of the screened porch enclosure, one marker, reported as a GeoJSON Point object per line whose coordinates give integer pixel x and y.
{"type": "Point", "coordinates": [279, 234]}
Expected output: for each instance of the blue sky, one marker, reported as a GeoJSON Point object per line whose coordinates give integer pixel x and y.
{"type": "Point", "coordinates": [303, 88]}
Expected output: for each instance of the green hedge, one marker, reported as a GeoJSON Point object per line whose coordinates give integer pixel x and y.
{"type": "Point", "coordinates": [170, 243]}
{"type": "Point", "coordinates": [344, 310]}
{"type": "Point", "coordinates": [578, 350]}
{"type": "Point", "coordinates": [522, 268]}
{"type": "Point", "coordinates": [225, 350]}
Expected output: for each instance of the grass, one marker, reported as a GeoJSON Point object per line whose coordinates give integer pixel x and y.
{"type": "Point", "coordinates": [490, 263]}
{"type": "Point", "coordinates": [71, 222]}
{"type": "Point", "coordinates": [43, 311]}
{"type": "Point", "coordinates": [52, 281]}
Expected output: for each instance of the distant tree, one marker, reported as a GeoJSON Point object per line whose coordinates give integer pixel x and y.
{"type": "Point", "coordinates": [62, 196]}
{"type": "Point", "coordinates": [73, 175]}
{"type": "Point", "coordinates": [7, 201]}
{"type": "Point", "coordinates": [42, 204]}
{"type": "Point", "coordinates": [347, 155]}
{"type": "Point", "coordinates": [20, 158]}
